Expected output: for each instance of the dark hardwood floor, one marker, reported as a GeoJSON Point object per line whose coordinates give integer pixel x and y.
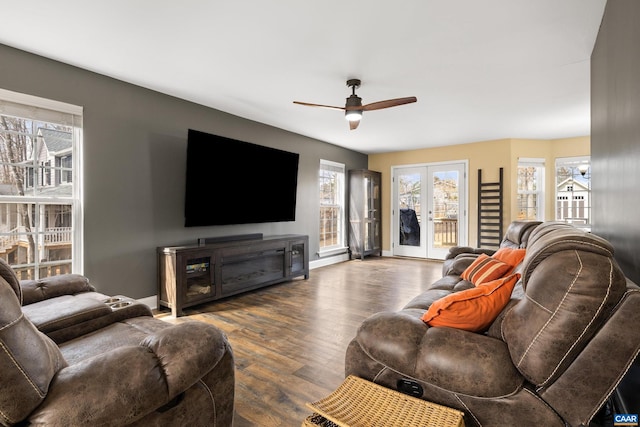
{"type": "Point", "coordinates": [289, 339]}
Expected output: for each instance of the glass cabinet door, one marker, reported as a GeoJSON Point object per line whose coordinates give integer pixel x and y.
{"type": "Point", "coordinates": [297, 254]}
{"type": "Point", "coordinates": [199, 278]}
{"type": "Point", "coordinates": [372, 213]}
{"type": "Point", "coordinates": [365, 213]}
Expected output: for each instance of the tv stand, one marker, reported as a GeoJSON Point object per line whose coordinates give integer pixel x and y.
{"type": "Point", "coordinates": [220, 267]}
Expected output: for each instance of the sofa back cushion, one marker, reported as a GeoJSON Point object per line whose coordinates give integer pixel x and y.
{"type": "Point", "coordinates": [517, 234]}
{"type": "Point", "coordinates": [28, 360]}
{"type": "Point", "coordinates": [572, 283]}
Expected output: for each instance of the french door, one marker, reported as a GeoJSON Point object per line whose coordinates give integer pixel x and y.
{"type": "Point", "coordinates": [429, 211]}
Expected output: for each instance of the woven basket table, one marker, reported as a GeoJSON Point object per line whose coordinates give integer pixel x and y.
{"type": "Point", "coordinates": [361, 403]}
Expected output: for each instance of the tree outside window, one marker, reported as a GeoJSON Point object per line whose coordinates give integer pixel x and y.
{"type": "Point", "coordinates": [37, 197]}
{"type": "Point", "coordinates": [531, 189]}
{"type": "Point", "coordinates": [331, 184]}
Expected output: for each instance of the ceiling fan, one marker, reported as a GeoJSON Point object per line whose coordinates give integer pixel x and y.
{"type": "Point", "coordinates": [353, 108]}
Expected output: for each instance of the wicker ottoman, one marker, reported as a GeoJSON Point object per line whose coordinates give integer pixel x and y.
{"type": "Point", "coordinates": [360, 403]}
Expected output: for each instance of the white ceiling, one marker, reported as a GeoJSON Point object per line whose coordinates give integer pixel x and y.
{"type": "Point", "coordinates": [481, 69]}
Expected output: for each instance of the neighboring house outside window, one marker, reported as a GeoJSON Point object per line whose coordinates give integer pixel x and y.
{"type": "Point", "coordinates": [332, 207]}
{"type": "Point", "coordinates": [531, 189]}
{"type": "Point", "coordinates": [40, 210]}
{"type": "Point", "coordinates": [573, 191]}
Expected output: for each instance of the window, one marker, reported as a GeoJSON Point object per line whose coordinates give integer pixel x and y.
{"type": "Point", "coordinates": [332, 212]}
{"type": "Point", "coordinates": [573, 190]}
{"type": "Point", "coordinates": [40, 210]}
{"type": "Point", "coordinates": [531, 189]}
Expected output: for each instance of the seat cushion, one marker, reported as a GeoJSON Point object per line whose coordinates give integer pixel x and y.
{"type": "Point", "coordinates": [127, 332]}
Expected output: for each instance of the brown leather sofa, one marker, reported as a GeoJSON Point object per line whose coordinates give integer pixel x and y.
{"type": "Point", "coordinates": [552, 357]}
{"type": "Point", "coordinates": [459, 257]}
{"type": "Point", "coordinates": [72, 356]}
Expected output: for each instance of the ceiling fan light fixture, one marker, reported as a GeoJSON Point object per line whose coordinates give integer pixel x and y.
{"type": "Point", "coordinates": [353, 115]}
{"type": "Point", "coordinates": [353, 108]}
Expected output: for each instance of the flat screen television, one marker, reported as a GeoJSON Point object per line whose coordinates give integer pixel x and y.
{"type": "Point", "coordinates": [237, 182]}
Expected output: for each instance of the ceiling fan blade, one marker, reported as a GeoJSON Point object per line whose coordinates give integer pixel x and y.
{"type": "Point", "coordinates": [389, 103]}
{"type": "Point", "coordinates": [319, 105]}
{"type": "Point", "coordinates": [353, 125]}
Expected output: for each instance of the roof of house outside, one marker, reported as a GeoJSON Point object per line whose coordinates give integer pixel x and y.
{"type": "Point", "coordinates": [56, 140]}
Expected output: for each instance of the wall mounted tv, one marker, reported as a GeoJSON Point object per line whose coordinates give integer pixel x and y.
{"type": "Point", "coordinates": [236, 182]}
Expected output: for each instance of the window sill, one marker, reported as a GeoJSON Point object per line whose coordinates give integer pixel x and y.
{"type": "Point", "coordinates": [332, 252]}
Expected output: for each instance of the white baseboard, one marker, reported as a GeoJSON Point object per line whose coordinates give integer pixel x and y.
{"type": "Point", "coordinates": [328, 261]}
{"type": "Point", "coordinates": [151, 301]}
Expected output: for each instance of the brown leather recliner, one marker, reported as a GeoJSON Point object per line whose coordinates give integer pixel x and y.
{"type": "Point", "coordinates": [551, 358]}
{"type": "Point", "coordinates": [110, 367]}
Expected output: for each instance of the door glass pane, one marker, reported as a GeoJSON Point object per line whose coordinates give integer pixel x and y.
{"type": "Point", "coordinates": [409, 204]}
{"type": "Point", "coordinates": [445, 208]}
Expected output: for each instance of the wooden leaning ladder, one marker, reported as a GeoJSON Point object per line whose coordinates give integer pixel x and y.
{"type": "Point", "coordinates": [490, 201]}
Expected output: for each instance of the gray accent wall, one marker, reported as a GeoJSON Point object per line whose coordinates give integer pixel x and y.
{"type": "Point", "coordinates": [134, 154]}
{"type": "Point", "coordinates": [615, 152]}
{"type": "Point", "coordinates": [615, 132]}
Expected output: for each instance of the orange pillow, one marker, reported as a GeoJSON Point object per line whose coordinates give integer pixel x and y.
{"type": "Point", "coordinates": [473, 309]}
{"type": "Point", "coordinates": [510, 256]}
{"type": "Point", "coordinates": [485, 269]}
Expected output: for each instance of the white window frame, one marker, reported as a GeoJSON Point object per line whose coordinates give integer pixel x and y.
{"type": "Point", "coordinates": [340, 199]}
{"type": "Point", "coordinates": [539, 193]}
{"type": "Point", "coordinates": [575, 163]}
{"type": "Point", "coordinates": [42, 109]}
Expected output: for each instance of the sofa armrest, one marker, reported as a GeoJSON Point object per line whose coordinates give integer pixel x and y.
{"type": "Point", "coordinates": [187, 351]}
{"type": "Point", "coordinates": [457, 265]}
{"type": "Point", "coordinates": [466, 253]}
{"type": "Point", "coordinates": [123, 385]}
{"type": "Point", "coordinates": [54, 286]}
{"type": "Point", "coordinates": [69, 316]}
{"type": "Point", "coordinates": [459, 250]}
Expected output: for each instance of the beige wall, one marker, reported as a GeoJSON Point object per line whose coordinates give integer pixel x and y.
{"type": "Point", "coordinates": [489, 156]}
